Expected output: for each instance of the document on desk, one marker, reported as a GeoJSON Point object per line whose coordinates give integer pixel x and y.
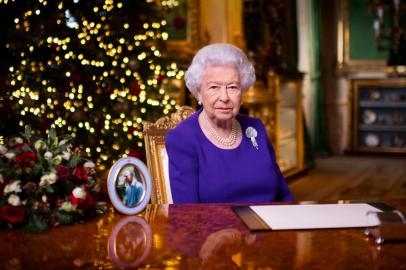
{"type": "Point", "coordinates": [306, 216]}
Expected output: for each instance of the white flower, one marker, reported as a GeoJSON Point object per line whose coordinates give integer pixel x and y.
{"type": "Point", "coordinates": [13, 187]}
{"type": "Point", "coordinates": [44, 198]}
{"type": "Point", "coordinates": [10, 155]}
{"type": "Point", "coordinates": [79, 193]}
{"type": "Point", "coordinates": [66, 155]}
{"type": "Point", "coordinates": [19, 140]}
{"type": "Point", "coordinates": [89, 165]}
{"type": "Point", "coordinates": [48, 155]}
{"type": "Point", "coordinates": [40, 145]}
{"type": "Point", "coordinates": [3, 149]}
{"type": "Point", "coordinates": [48, 179]}
{"type": "Point", "coordinates": [67, 207]}
{"type": "Point", "coordinates": [14, 200]}
{"type": "Point", "coordinates": [62, 142]}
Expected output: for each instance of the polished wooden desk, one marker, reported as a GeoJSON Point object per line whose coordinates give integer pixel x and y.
{"type": "Point", "coordinates": [193, 237]}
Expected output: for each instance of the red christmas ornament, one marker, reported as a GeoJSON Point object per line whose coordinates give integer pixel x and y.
{"type": "Point", "coordinates": [159, 78]}
{"type": "Point", "coordinates": [135, 153]}
{"type": "Point", "coordinates": [131, 130]}
{"type": "Point", "coordinates": [135, 89]}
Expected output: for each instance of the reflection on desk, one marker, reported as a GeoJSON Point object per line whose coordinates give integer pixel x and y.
{"type": "Point", "coordinates": [223, 247]}
{"type": "Point", "coordinates": [129, 242]}
{"type": "Point", "coordinates": [193, 237]}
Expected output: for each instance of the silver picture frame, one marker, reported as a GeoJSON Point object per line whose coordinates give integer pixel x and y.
{"type": "Point", "coordinates": [129, 185]}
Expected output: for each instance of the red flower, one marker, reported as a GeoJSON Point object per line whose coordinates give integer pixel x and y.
{"type": "Point", "coordinates": [74, 200]}
{"type": "Point", "coordinates": [26, 157]}
{"type": "Point", "coordinates": [20, 146]}
{"type": "Point", "coordinates": [13, 214]}
{"type": "Point", "coordinates": [63, 172]}
{"type": "Point", "coordinates": [80, 174]}
{"type": "Point", "coordinates": [82, 203]}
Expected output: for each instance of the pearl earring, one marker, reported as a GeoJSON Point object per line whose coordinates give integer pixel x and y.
{"type": "Point", "coordinates": [199, 102]}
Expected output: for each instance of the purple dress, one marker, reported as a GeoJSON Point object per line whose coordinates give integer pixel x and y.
{"type": "Point", "coordinates": [200, 172]}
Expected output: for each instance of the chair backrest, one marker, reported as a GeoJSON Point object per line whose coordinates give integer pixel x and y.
{"type": "Point", "coordinates": [157, 158]}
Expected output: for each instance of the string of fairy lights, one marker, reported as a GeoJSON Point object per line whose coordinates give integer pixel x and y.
{"type": "Point", "coordinates": [120, 63]}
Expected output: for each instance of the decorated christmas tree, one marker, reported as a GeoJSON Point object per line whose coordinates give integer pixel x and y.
{"type": "Point", "coordinates": [92, 69]}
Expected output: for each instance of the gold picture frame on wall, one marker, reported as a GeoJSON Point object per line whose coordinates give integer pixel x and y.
{"type": "Point", "coordinates": [345, 62]}
{"type": "Point", "coordinates": [183, 25]}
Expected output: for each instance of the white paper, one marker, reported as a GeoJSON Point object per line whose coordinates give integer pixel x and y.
{"type": "Point", "coordinates": [315, 216]}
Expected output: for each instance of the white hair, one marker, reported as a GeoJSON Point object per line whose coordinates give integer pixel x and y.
{"type": "Point", "coordinates": [219, 54]}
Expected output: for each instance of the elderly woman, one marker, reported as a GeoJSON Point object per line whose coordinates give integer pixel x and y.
{"type": "Point", "coordinates": [218, 155]}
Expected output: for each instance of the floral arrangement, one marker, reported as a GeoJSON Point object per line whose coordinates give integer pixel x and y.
{"type": "Point", "coordinates": [45, 183]}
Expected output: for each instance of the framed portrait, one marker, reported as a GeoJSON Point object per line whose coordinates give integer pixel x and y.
{"type": "Point", "coordinates": [129, 185]}
{"type": "Point", "coordinates": [130, 242]}
{"type": "Point", "coordinates": [357, 51]}
{"type": "Point", "coordinates": [183, 26]}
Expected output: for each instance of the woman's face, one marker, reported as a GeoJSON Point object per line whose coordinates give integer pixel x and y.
{"type": "Point", "coordinates": [220, 92]}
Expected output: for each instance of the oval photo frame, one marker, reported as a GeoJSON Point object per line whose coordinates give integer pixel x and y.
{"type": "Point", "coordinates": [129, 185]}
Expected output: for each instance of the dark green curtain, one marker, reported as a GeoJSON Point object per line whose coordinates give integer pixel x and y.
{"type": "Point", "coordinates": [319, 128]}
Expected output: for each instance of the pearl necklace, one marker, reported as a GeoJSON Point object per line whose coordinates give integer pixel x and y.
{"type": "Point", "coordinates": [230, 140]}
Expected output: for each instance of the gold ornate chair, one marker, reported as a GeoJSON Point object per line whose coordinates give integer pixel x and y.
{"type": "Point", "coordinates": [157, 158]}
